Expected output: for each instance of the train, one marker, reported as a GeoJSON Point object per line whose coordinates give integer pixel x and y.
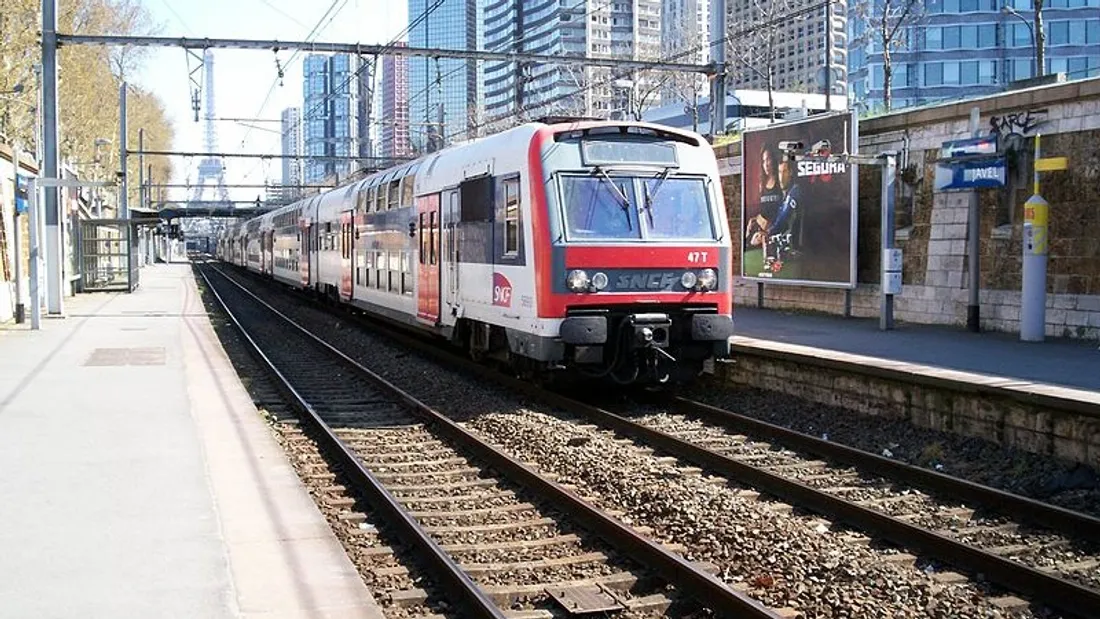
{"type": "Point", "coordinates": [598, 249]}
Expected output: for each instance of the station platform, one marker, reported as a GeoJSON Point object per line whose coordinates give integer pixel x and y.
{"type": "Point", "coordinates": [139, 479]}
{"type": "Point", "coordinates": [1073, 364]}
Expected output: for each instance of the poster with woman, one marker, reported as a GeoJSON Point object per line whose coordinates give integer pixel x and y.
{"type": "Point", "coordinates": [799, 213]}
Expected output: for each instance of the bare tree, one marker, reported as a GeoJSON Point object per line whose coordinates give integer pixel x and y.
{"type": "Point", "coordinates": [1040, 40]}
{"type": "Point", "coordinates": [887, 21]}
{"type": "Point", "coordinates": [757, 53]}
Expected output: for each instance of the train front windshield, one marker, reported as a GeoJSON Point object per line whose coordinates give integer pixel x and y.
{"type": "Point", "coordinates": [624, 208]}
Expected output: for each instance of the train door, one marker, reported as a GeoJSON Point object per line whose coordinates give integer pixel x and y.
{"type": "Point", "coordinates": [450, 198]}
{"type": "Point", "coordinates": [267, 249]}
{"type": "Point", "coordinates": [347, 254]}
{"type": "Point", "coordinates": [313, 234]}
{"type": "Point", "coordinates": [303, 251]}
{"type": "Point", "coordinates": [427, 280]}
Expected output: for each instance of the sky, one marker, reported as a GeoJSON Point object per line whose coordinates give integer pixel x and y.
{"type": "Point", "coordinates": [243, 79]}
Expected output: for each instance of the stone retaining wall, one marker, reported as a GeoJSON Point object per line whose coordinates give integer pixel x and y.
{"type": "Point", "coordinates": [1042, 423]}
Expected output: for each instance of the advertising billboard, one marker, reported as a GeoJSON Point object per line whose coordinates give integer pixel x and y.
{"type": "Point", "coordinates": [798, 215]}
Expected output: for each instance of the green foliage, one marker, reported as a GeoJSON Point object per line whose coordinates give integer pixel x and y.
{"type": "Point", "coordinates": [88, 83]}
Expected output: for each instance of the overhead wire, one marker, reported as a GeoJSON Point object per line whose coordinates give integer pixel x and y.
{"type": "Point", "coordinates": [339, 89]}
{"type": "Point", "coordinates": [669, 58]}
{"type": "Point", "coordinates": [439, 79]}
{"type": "Point", "coordinates": [315, 31]}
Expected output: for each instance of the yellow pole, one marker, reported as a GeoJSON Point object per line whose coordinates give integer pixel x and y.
{"type": "Point", "coordinates": [1036, 166]}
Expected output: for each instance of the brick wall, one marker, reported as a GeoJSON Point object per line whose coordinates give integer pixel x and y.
{"type": "Point", "coordinates": [932, 227]}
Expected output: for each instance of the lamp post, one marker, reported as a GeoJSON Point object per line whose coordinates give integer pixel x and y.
{"type": "Point", "coordinates": [16, 151]}
{"type": "Point", "coordinates": [1037, 71]}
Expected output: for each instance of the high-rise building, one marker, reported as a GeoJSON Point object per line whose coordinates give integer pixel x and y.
{"type": "Point", "coordinates": [443, 92]}
{"type": "Point", "coordinates": [518, 91]}
{"type": "Point", "coordinates": [395, 107]}
{"type": "Point", "coordinates": [961, 48]}
{"type": "Point", "coordinates": [366, 111]}
{"type": "Point", "coordinates": [291, 124]}
{"type": "Point", "coordinates": [685, 27]}
{"type": "Point", "coordinates": [330, 115]}
{"type": "Point", "coordinates": [790, 43]}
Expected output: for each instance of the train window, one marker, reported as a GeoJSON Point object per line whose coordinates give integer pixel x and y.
{"type": "Point", "coordinates": [394, 194]}
{"type": "Point", "coordinates": [677, 208]}
{"type": "Point", "coordinates": [407, 190]}
{"type": "Point", "coordinates": [361, 198]}
{"type": "Point", "coordinates": [432, 236]}
{"type": "Point", "coordinates": [511, 216]}
{"type": "Point", "coordinates": [477, 199]}
{"type": "Point", "coordinates": [380, 198]}
{"type": "Point", "coordinates": [423, 239]}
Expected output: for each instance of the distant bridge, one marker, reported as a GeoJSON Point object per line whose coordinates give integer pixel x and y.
{"type": "Point", "coordinates": [191, 210]}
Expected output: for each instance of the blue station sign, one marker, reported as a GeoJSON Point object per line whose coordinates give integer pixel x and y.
{"type": "Point", "coordinates": [21, 184]}
{"type": "Point", "coordinates": [971, 147]}
{"type": "Point", "coordinates": [983, 174]}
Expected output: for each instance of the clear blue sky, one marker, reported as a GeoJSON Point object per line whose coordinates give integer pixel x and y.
{"type": "Point", "coordinates": [244, 78]}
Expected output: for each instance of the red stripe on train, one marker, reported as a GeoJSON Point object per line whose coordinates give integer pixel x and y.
{"type": "Point", "coordinates": [558, 303]}
{"type": "Point", "coordinates": [641, 256]}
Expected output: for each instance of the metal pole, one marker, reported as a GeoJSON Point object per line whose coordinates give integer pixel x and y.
{"type": "Point", "coordinates": [141, 168]}
{"type": "Point", "coordinates": [973, 231]}
{"type": "Point", "coordinates": [829, 56]}
{"type": "Point", "coordinates": [889, 182]}
{"type": "Point", "coordinates": [36, 298]}
{"type": "Point", "coordinates": [718, 59]}
{"type": "Point", "coordinates": [54, 258]}
{"type": "Point", "coordinates": [20, 312]}
{"type": "Point", "coordinates": [1033, 293]}
{"type": "Point", "coordinates": [123, 208]}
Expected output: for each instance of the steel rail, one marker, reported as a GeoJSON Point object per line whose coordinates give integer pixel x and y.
{"type": "Point", "coordinates": [1051, 590]}
{"type": "Point", "coordinates": [1036, 512]}
{"type": "Point", "coordinates": [709, 590]}
{"type": "Point", "coordinates": [466, 591]}
{"type": "Point", "coordinates": [1059, 593]}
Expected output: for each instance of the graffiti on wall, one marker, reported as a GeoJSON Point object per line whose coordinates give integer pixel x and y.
{"type": "Point", "coordinates": [1016, 125]}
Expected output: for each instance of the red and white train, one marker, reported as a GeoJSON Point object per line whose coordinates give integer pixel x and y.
{"type": "Point", "coordinates": [601, 247]}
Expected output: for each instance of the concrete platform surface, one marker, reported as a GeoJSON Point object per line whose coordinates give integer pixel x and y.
{"type": "Point", "coordinates": [1070, 363]}
{"type": "Point", "coordinates": [139, 481]}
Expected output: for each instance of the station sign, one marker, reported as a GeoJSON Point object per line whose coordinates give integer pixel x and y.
{"type": "Point", "coordinates": [971, 147]}
{"type": "Point", "coordinates": [983, 174]}
{"type": "Point", "coordinates": [21, 184]}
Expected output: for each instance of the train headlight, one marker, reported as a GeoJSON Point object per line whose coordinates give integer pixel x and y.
{"type": "Point", "coordinates": [688, 279]}
{"type": "Point", "coordinates": [708, 279]}
{"type": "Point", "coordinates": [577, 280]}
{"type": "Point", "coordinates": [599, 281]}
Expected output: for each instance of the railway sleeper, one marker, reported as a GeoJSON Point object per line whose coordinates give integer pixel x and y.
{"type": "Point", "coordinates": [516, 507]}
{"type": "Point", "coordinates": [488, 528]}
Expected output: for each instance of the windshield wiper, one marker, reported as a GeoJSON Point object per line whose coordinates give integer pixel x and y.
{"type": "Point", "coordinates": [650, 195]}
{"type": "Point", "coordinates": [622, 197]}
{"type": "Point", "coordinates": [619, 192]}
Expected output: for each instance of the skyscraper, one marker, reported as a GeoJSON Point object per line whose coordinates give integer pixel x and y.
{"type": "Point", "coordinates": [791, 44]}
{"type": "Point", "coordinates": [444, 95]}
{"type": "Point", "coordinates": [961, 48]}
{"type": "Point", "coordinates": [518, 91]}
{"type": "Point", "coordinates": [395, 107]}
{"type": "Point", "coordinates": [330, 114]}
{"type": "Point", "coordinates": [685, 27]}
{"type": "Point", "coordinates": [291, 124]}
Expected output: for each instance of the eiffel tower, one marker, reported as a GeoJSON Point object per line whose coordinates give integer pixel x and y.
{"type": "Point", "coordinates": [209, 189]}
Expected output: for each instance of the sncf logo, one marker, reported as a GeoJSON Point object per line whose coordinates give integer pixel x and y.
{"type": "Point", "coordinates": [502, 290]}
{"type": "Point", "coordinates": [646, 281]}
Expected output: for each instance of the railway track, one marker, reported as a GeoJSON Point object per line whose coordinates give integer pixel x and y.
{"type": "Point", "coordinates": [497, 537]}
{"type": "Point", "coordinates": [992, 548]}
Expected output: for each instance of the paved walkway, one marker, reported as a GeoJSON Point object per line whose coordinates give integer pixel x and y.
{"type": "Point", "coordinates": [1072, 363]}
{"type": "Point", "coordinates": [138, 479]}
